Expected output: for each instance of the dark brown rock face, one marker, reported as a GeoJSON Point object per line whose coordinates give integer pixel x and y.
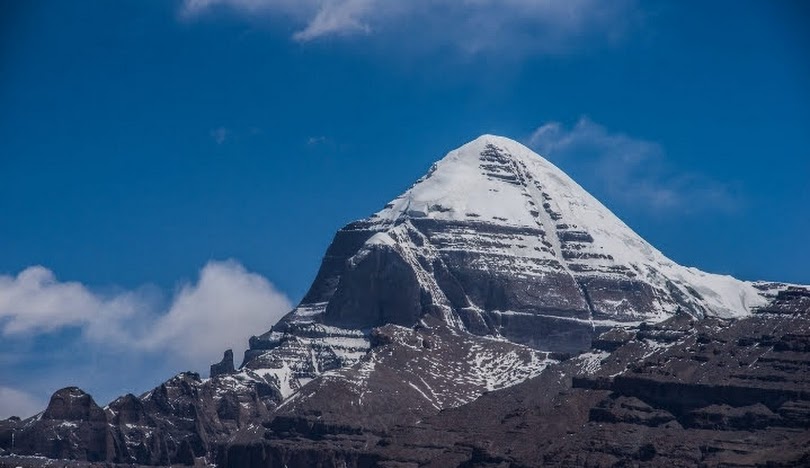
{"type": "Point", "coordinates": [225, 366]}
{"type": "Point", "coordinates": [72, 404]}
{"type": "Point", "coordinates": [380, 288]}
{"type": "Point", "coordinates": [178, 422]}
{"type": "Point", "coordinates": [681, 393]}
{"type": "Point", "coordinates": [73, 426]}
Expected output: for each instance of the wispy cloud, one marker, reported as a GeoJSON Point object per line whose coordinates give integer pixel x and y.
{"type": "Point", "coordinates": [221, 310]}
{"type": "Point", "coordinates": [471, 26]}
{"type": "Point", "coordinates": [220, 135]}
{"type": "Point", "coordinates": [316, 140]}
{"type": "Point", "coordinates": [631, 171]}
{"type": "Point", "coordinates": [14, 402]}
{"type": "Point", "coordinates": [338, 17]}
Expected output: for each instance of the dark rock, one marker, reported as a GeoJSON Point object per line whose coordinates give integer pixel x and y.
{"type": "Point", "coordinates": [225, 366]}
{"type": "Point", "coordinates": [381, 288]}
{"type": "Point", "coordinates": [128, 409]}
{"type": "Point", "coordinates": [792, 300]}
{"type": "Point", "coordinates": [73, 404]}
{"type": "Point", "coordinates": [621, 409]}
{"type": "Point", "coordinates": [613, 339]}
{"type": "Point", "coordinates": [724, 417]}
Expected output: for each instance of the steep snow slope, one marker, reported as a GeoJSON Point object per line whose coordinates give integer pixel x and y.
{"type": "Point", "coordinates": [497, 180]}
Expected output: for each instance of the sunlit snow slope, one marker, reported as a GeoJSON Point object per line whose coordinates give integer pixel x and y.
{"type": "Point", "coordinates": [497, 180]}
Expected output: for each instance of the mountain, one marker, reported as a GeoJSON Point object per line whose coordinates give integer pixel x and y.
{"type": "Point", "coordinates": [683, 392]}
{"type": "Point", "coordinates": [494, 241]}
{"type": "Point", "coordinates": [495, 274]}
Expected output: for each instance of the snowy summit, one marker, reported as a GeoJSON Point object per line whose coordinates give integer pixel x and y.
{"type": "Point", "coordinates": [496, 180]}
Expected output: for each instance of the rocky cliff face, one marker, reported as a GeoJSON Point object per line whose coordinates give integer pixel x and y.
{"type": "Point", "coordinates": [484, 278]}
{"type": "Point", "coordinates": [683, 392]}
{"type": "Point", "coordinates": [178, 422]}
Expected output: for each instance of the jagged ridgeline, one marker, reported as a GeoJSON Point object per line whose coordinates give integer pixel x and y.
{"type": "Point", "coordinates": [494, 274]}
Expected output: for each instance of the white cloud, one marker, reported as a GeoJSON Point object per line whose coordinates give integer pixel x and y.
{"type": "Point", "coordinates": [34, 301]}
{"type": "Point", "coordinates": [631, 171]}
{"type": "Point", "coordinates": [337, 17]}
{"type": "Point", "coordinates": [317, 140]}
{"type": "Point", "coordinates": [226, 306]}
{"type": "Point", "coordinates": [17, 403]}
{"type": "Point", "coordinates": [469, 25]}
{"type": "Point", "coordinates": [220, 134]}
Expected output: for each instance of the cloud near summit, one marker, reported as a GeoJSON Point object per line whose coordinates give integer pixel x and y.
{"type": "Point", "coordinates": [630, 171]}
{"type": "Point", "coordinates": [472, 26]}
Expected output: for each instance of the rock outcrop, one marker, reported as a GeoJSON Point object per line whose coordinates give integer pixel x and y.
{"type": "Point", "coordinates": [225, 366]}
{"type": "Point", "coordinates": [73, 426]}
{"type": "Point", "coordinates": [179, 422]}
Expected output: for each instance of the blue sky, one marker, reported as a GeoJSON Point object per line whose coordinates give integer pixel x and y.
{"type": "Point", "coordinates": [157, 154]}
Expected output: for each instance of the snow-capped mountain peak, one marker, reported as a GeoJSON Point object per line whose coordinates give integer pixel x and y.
{"type": "Point", "coordinates": [493, 241]}
{"type": "Point", "coordinates": [496, 180]}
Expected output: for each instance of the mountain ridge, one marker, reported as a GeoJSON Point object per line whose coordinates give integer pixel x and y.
{"type": "Point", "coordinates": [491, 269]}
{"type": "Point", "coordinates": [519, 269]}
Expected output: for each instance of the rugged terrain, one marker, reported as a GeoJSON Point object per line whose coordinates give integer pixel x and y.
{"type": "Point", "coordinates": [495, 313]}
{"type": "Point", "coordinates": [683, 392]}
